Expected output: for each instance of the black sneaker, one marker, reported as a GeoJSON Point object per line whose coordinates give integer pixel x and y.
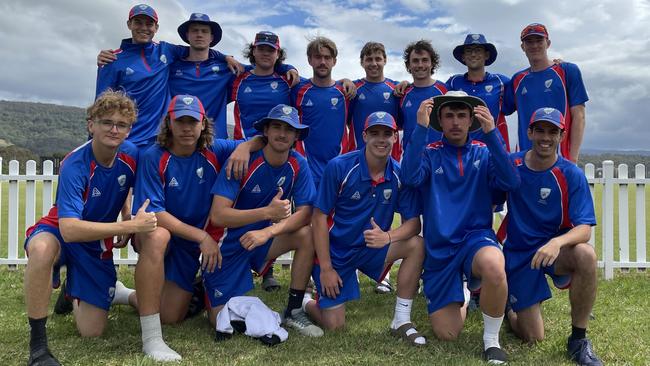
{"type": "Point", "coordinates": [42, 357]}
{"type": "Point", "coordinates": [495, 356]}
{"type": "Point", "coordinates": [63, 305]}
{"type": "Point", "coordinates": [581, 352]}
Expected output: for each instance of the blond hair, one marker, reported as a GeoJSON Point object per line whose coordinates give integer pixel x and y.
{"type": "Point", "coordinates": [111, 101]}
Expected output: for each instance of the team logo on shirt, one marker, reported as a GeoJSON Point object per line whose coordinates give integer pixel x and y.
{"type": "Point", "coordinates": [477, 163]}
{"type": "Point", "coordinates": [173, 182]}
{"type": "Point", "coordinates": [163, 59]}
{"type": "Point", "coordinates": [408, 103]}
{"type": "Point", "coordinates": [488, 88]}
{"type": "Point", "coordinates": [281, 180]}
{"type": "Point", "coordinates": [96, 192]}
{"type": "Point", "coordinates": [362, 96]}
{"type": "Point", "coordinates": [111, 292]}
{"type": "Point", "coordinates": [524, 91]}
{"type": "Point", "coordinates": [439, 171]}
{"type": "Point", "coordinates": [256, 189]}
{"type": "Point", "coordinates": [248, 90]}
{"type": "Point", "coordinates": [179, 72]}
{"type": "Point", "coordinates": [386, 96]}
{"type": "Point", "coordinates": [544, 193]}
{"type": "Point", "coordinates": [274, 85]}
{"type": "Point", "coordinates": [387, 194]}
{"type": "Point", "coordinates": [334, 102]}
{"type": "Point", "coordinates": [215, 69]}
{"type": "Point", "coordinates": [309, 103]}
{"type": "Point", "coordinates": [217, 293]}
{"type": "Point", "coordinates": [121, 179]}
{"type": "Point", "coordinates": [513, 299]}
{"type": "Point", "coordinates": [199, 172]}
{"type": "Point", "coordinates": [548, 83]}
{"type": "Point", "coordinates": [356, 196]}
{"type": "Point", "coordinates": [188, 100]}
{"type": "Point", "coordinates": [128, 71]}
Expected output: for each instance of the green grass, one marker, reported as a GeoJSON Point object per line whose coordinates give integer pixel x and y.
{"type": "Point", "coordinates": [620, 333]}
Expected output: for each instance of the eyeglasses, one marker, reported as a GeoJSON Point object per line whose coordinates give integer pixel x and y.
{"type": "Point", "coordinates": [107, 125]}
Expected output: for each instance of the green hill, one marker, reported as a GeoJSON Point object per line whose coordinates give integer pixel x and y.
{"type": "Point", "coordinates": [44, 129]}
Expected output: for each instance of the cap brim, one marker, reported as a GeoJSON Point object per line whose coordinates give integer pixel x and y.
{"type": "Point", "coordinates": [458, 52]}
{"type": "Point", "coordinates": [267, 44]}
{"type": "Point", "coordinates": [303, 130]}
{"type": "Point", "coordinates": [534, 34]}
{"type": "Point", "coordinates": [441, 100]}
{"type": "Point", "coordinates": [214, 26]}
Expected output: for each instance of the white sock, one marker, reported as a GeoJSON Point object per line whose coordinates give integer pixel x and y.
{"type": "Point", "coordinates": [305, 300]}
{"type": "Point", "coordinates": [402, 312]}
{"type": "Point", "coordinates": [403, 316]}
{"type": "Point", "coordinates": [153, 344]}
{"type": "Point", "coordinates": [491, 327]}
{"type": "Point", "coordinates": [122, 294]}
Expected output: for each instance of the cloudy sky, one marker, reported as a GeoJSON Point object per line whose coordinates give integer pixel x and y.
{"type": "Point", "coordinates": [49, 47]}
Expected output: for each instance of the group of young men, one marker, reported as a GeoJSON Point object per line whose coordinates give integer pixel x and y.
{"type": "Point", "coordinates": [315, 169]}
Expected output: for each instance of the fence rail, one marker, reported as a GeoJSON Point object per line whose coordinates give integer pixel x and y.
{"type": "Point", "coordinates": [602, 190]}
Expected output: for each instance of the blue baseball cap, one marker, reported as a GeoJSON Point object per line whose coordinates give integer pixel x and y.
{"type": "Point", "coordinates": [380, 119]}
{"type": "Point", "coordinates": [548, 114]}
{"type": "Point", "coordinates": [267, 38]}
{"type": "Point", "coordinates": [186, 105]}
{"type": "Point", "coordinates": [479, 40]}
{"type": "Point", "coordinates": [203, 19]}
{"type": "Point", "coordinates": [143, 9]}
{"type": "Point", "coordinates": [286, 114]}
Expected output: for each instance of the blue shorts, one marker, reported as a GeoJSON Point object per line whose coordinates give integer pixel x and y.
{"type": "Point", "coordinates": [443, 285]}
{"type": "Point", "coordinates": [235, 277]}
{"type": "Point", "coordinates": [182, 263]}
{"type": "Point", "coordinates": [89, 278]}
{"type": "Point", "coordinates": [370, 261]}
{"type": "Point", "coordinates": [527, 286]}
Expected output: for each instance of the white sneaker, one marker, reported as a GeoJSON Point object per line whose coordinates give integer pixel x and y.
{"type": "Point", "coordinates": [299, 321]}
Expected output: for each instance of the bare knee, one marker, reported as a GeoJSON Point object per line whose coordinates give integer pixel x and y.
{"type": "Point", "coordinates": [154, 244]}
{"type": "Point", "coordinates": [91, 331]}
{"type": "Point", "coordinates": [532, 335]}
{"type": "Point", "coordinates": [585, 257]}
{"type": "Point", "coordinates": [333, 324]}
{"type": "Point", "coordinates": [42, 252]}
{"type": "Point", "coordinates": [491, 268]}
{"type": "Point", "coordinates": [416, 246]}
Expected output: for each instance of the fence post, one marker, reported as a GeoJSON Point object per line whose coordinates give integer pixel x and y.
{"type": "Point", "coordinates": [48, 169]}
{"type": "Point", "coordinates": [608, 219]}
{"type": "Point", "coordinates": [639, 171]}
{"type": "Point", "coordinates": [623, 212]}
{"type": "Point", "coordinates": [12, 253]}
{"type": "Point", "coordinates": [590, 172]}
{"type": "Point", "coordinates": [30, 194]}
{"type": "Point", "coordinates": [1, 182]}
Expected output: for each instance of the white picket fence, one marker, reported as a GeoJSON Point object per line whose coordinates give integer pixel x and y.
{"type": "Point", "coordinates": [25, 185]}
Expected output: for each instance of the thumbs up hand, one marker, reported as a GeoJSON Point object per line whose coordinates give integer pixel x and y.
{"type": "Point", "coordinates": [144, 221]}
{"type": "Point", "coordinates": [278, 209]}
{"type": "Point", "coordinates": [376, 237]}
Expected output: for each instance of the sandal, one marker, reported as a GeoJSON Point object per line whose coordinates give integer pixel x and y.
{"type": "Point", "coordinates": [408, 333]}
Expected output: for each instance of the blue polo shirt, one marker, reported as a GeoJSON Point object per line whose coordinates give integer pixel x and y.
{"type": "Point", "coordinates": [547, 204]}
{"type": "Point", "coordinates": [257, 189]}
{"type": "Point", "coordinates": [371, 97]}
{"type": "Point", "coordinates": [349, 197]}
{"type": "Point", "coordinates": [408, 109]}
{"type": "Point", "coordinates": [325, 111]}
{"type": "Point", "coordinates": [181, 185]}
{"type": "Point", "coordinates": [559, 86]}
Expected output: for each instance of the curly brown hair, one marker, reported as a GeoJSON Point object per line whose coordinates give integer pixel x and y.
{"type": "Point", "coordinates": [421, 46]}
{"type": "Point", "coordinates": [164, 138]}
{"type": "Point", "coordinates": [248, 53]}
{"type": "Point", "coordinates": [111, 101]}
